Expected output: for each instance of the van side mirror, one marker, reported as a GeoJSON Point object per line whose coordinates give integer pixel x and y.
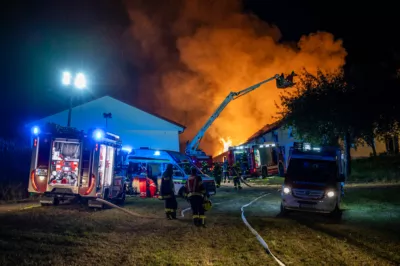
{"type": "Point", "coordinates": [341, 178]}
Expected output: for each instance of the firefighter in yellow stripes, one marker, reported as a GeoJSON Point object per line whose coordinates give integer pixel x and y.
{"type": "Point", "coordinates": [197, 195]}
{"type": "Point", "coordinates": [167, 193]}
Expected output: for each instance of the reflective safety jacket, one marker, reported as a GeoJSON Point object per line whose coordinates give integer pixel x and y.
{"type": "Point", "coordinates": [194, 187]}
{"type": "Point", "coordinates": [167, 187]}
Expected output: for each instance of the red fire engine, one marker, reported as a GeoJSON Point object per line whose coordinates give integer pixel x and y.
{"type": "Point", "coordinates": [68, 164]}
{"type": "Point", "coordinates": [256, 159]}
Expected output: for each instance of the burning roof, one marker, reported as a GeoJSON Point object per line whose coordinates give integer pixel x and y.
{"type": "Point", "coordinates": [266, 129]}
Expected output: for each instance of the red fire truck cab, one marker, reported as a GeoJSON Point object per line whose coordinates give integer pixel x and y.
{"type": "Point", "coordinates": [259, 159]}
{"type": "Point", "coordinates": [68, 164]}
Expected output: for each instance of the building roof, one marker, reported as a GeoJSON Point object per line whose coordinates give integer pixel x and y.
{"type": "Point", "coordinates": [154, 114]}
{"type": "Point", "coordinates": [266, 129]}
{"type": "Point", "coordinates": [111, 105]}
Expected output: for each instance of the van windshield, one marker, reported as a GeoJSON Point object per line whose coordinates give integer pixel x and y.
{"type": "Point", "coordinates": [311, 170]}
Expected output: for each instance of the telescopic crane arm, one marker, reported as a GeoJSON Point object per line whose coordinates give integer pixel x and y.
{"type": "Point", "coordinates": [192, 147]}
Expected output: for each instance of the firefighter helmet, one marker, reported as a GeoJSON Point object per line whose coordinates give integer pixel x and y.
{"type": "Point", "coordinates": [207, 205]}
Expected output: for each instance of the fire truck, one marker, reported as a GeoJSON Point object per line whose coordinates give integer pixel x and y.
{"type": "Point", "coordinates": [192, 147]}
{"type": "Point", "coordinates": [68, 165]}
{"type": "Point", "coordinates": [256, 160]}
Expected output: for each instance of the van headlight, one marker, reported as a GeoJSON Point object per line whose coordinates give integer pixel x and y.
{"type": "Point", "coordinates": [330, 194]}
{"type": "Point", "coordinates": [286, 190]}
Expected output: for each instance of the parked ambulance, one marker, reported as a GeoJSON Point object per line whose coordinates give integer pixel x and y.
{"type": "Point", "coordinates": [314, 180]}
{"type": "Point", "coordinates": [145, 161]}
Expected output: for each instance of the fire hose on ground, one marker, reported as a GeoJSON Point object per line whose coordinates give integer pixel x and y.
{"type": "Point", "coordinates": [259, 238]}
{"type": "Point", "coordinates": [188, 208]}
{"type": "Point", "coordinates": [241, 178]}
{"type": "Point", "coordinates": [125, 210]}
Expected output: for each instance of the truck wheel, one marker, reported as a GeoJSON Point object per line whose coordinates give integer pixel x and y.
{"type": "Point", "coordinates": [56, 202]}
{"type": "Point", "coordinates": [281, 170]}
{"type": "Point", "coordinates": [121, 201]}
{"type": "Point", "coordinates": [181, 192]}
{"type": "Point", "coordinates": [264, 172]}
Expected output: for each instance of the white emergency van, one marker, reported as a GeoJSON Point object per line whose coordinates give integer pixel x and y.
{"type": "Point", "coordinates": [314, 180]}
{"type": "Point", "coordinates": [154, 162]}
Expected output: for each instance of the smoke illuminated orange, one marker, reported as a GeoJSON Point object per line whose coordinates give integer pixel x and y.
{"type": "Point", "coordinates": [191, 54]}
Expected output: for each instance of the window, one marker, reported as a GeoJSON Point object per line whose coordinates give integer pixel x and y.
{"type": "Point", "coordinates": [102, 164]}
{"type": "Point", "coordinates": [44, 152]}
{"type": "Point", "coordinates": [312, 170]}
{"type": "Point", "coordinates": [257, 158]}
{"type": "Point", "coordinates": [109, 164]}
{"type": "Point", "coordinates": [274, 157]}
{"type": "Point", "coordinates": [290, 132]}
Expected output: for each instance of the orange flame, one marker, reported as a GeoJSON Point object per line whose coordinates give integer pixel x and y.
{"type": "Point", "coordinates": [227, 143]}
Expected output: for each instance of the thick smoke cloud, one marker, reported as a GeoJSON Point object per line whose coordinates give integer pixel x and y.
{"type": "Point", "coordinates": [192, 53]}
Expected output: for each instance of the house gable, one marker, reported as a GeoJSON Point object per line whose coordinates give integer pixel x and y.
{"type": "Point", "coordinates": [124, 116]}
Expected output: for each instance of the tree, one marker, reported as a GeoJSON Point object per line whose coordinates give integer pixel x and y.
{"type": "Point", "coordinates": [321, 110]}
{"type": "Point", "coordinates": [375, 80]}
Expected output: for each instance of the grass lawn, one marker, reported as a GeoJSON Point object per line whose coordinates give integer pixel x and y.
{"type": "Point", "coordinates": [74, 235]}
{"type": "Point", "coordinates": [271, 180]}
{"type": "Point", "coordinates": [376, 169]}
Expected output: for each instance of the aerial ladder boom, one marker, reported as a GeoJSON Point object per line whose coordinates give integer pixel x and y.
{"type": "Point", "coordinates": [192, 147]}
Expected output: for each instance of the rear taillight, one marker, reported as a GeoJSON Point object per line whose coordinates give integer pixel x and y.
{"type": "Point", "coordinates": [33, 181]}
{"type": "Point", "coordinates": [92, 181]}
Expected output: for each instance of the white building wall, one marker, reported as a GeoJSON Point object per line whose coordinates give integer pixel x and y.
{"type": "Point", "coordinates": [160, 140]}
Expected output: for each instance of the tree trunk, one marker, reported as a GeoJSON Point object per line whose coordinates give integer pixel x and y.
{"type": "Point", "coordinates": [373, 146]}
{"type": "Point", "coordinates": [373, 150]}
{"type": "Point", "coordinates": [347, 155]}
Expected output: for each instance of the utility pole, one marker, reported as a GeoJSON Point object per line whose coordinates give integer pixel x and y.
{"type": "Point", "coordinates": [79, 82]}
{"type": "Point", "coordinates": [70, 111]}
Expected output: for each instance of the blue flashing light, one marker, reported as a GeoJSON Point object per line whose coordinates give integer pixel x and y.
{"type": "Point", "coordinates": [127, 149]}
{"type": "Point", "coordinates": [98, 134]}
{"type": "Point", "coordinates": [35, 130]}
{"type": "Point", "coordinates": [157, 153]}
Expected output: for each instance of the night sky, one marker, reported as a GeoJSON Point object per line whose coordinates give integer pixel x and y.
{"type": "Point", "coordinates": [42, 38]}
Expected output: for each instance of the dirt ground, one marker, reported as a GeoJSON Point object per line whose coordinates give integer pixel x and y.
{"type": "Point", "coordinates": [368, 234]}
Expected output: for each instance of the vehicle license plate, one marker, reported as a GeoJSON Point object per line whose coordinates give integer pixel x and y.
{"type": "Point", "coordinates": [307, 206]}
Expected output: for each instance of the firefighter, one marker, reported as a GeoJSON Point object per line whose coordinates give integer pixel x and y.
{"type": "Point", "coordinates": [225, 170]}
{"type": "Point", "coordinates": [236, 176]}
{"type": "Point", "coordinates": [197, 195]}
{"type": "Point", "coordinates": [282, 82]}
{"type": "Point", "coordinates": [217, 173]}
{"type": "Point", "coordinates": [289, 78]}
{"type": "Point", "coordinates": [167, 193]}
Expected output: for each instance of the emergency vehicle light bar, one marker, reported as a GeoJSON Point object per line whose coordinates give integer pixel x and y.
{"type": "Point", "coordinates": [242, 147]}
{"type": "Point", "coordinates": [307, 148]}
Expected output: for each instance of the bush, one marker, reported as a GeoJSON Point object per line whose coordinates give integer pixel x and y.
{"type": "Point", "coordinates": [15, 156]}
{"type": "Point", "coordinates": [384, 168]}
